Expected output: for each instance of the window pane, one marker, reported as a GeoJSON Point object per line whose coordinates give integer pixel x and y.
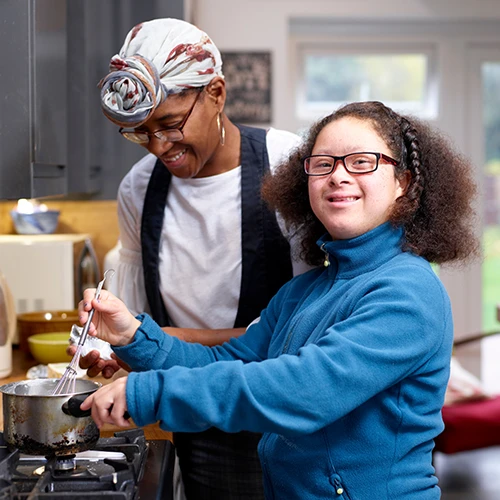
{"type": "Point", "coordinates": [399, 80]}
{"type": "Point", "coordinates": [491, 186]}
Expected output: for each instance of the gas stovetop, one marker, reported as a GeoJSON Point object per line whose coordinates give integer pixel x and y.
{"type": "Point", "coordinates": [122, 467]}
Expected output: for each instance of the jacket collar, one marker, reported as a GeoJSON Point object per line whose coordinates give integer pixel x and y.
{"type": "Point", "coordinates": [364, 253]}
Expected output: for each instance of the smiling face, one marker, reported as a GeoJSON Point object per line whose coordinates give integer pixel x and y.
{"type": "Point", "coordinates": [350, 205]}
{"type": "Point", "coordinates": [194, 155]}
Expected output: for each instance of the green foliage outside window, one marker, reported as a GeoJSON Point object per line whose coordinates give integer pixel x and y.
{"type": "Point", "coordinates": [491, 194]}
{"type": "Point", "coordinates": [384, 77]}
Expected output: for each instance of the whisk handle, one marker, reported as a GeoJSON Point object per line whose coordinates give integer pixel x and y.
{"type": "Point", "coordinates": [85, 331]}
{"type": "Point", "coordinates": [83, 336]}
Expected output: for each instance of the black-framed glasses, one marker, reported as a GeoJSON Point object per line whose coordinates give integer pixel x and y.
{"type": "Point", "coordinates": [173, 134]}
{"type": "Point", "coordinates": [354, 163]}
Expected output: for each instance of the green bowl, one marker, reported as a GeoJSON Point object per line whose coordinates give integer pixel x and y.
{"type": "Point", "coordinates": [49, 347]}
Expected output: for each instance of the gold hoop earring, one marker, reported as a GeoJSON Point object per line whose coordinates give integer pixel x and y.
{"type": "Point", "coordinates": [222, 130]}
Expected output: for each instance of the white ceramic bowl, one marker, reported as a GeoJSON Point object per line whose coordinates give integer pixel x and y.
{"type": "Point", "coordinates": [35, 223]}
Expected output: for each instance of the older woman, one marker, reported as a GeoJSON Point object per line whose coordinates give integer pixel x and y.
{"type": "Point", "coordinates": [201, 251]}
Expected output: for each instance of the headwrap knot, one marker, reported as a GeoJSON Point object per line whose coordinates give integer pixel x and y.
{"type": "Point", "coordinates": [158, 58]}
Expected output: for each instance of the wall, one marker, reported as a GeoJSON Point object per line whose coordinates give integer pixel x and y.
{"type": "Point", "coordinates": [263, 25]}
{"type": "Point", "coordinates": [97, 218]}
{"type": "Point", "coordinates": [252, 25]}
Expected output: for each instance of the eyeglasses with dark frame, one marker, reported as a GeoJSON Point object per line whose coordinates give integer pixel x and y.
{"type": "Point", "coordinates": [173, 134]}
{"type": "Point", "coordinates": [355, 163]}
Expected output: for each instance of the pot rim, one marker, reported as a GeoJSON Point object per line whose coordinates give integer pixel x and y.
{"type": "Point", "coordinates": [9, 389]}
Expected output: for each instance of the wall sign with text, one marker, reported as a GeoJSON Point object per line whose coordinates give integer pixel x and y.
{"type": "Point", "coordinates": [248, 84]}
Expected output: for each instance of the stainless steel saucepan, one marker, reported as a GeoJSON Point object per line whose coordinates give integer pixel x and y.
{"type": "Point", "coordinates": [39, 423]}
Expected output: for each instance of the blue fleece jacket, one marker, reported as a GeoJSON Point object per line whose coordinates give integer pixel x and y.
{"type": "Point", "coordinates": [345, 374]}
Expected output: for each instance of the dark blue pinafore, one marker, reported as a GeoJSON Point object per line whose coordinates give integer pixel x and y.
{"type": "Point", "coordinates": [214, 464]}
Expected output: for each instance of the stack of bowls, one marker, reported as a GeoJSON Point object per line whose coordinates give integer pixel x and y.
{"type": "Point", "coordinates": [33, 323]}
{"type": "Point", "coordinates": [49, 347]}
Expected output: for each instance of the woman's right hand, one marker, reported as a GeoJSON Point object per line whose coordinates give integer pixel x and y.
{"type": "Point", "coordinates": [112, 321]}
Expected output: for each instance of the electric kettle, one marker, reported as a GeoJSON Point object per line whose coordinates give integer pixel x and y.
{"type": "Point", "coordinates": [8, 321]}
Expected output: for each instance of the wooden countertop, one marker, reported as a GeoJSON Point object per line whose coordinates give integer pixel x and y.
{"type": "Point", "coordinates": [21, 363]}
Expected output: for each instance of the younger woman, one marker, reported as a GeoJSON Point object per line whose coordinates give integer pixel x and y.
{"type": "Point", "coordinates": [346, 371]}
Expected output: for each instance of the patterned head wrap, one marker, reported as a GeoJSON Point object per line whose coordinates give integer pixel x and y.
{"type": "Point", "coordinates": [158, 58]}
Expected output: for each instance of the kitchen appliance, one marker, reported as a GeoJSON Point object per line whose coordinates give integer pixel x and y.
{"type": "Point", "coordinates": [47, 271]}
{"type": "Point", "coordinates": [7, 327]}
{"type": "Point", "coordinates": [125, 466]}
{"type": "Point", "coordinates": [88, 269]}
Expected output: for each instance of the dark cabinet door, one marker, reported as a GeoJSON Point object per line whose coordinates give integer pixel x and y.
{"type": "Point", "coordinates": [33, 124]}
{"type": "Point", "coordinates": [54, 139]}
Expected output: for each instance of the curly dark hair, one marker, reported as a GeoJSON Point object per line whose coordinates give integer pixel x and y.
{"type": "Point", "coordinates": [436, 209]}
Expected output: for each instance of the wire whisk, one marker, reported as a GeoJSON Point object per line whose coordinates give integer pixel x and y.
{"type": "Point", "coordinates": [67, 383]}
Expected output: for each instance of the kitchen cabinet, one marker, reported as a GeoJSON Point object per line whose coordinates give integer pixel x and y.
{"type": "Point", "coordinates": [33, 127]}
{"type": "Point", "coordinates": [54, 139]}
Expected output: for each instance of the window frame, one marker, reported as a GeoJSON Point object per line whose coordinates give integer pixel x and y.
{"type": "Point", "coordinates": [306, 112]}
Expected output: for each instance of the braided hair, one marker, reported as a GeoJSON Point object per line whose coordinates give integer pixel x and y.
{"type": "Point", "coordinates": [436, 208]}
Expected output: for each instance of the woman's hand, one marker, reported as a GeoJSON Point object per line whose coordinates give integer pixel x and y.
{"type": "Point", "coordinates": [95, 365]}
{"type": "Point", "coordinates": [109, 404]}
{"type": "Point", "coordinates": [112, 321]}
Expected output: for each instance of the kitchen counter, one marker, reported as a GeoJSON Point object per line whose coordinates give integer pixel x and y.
{"type": "Point", "coordinates": [21, 363]}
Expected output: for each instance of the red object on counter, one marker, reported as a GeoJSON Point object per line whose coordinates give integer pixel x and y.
{"type": "Point", "coordinates": [470, 426]}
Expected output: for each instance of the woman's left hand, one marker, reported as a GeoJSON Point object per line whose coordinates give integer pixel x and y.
{"type": "Point", "coordinates": [109, 404]}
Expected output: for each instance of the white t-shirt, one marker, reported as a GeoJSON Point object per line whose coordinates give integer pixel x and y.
{"type": "Point", "coordinates": [200, 246]}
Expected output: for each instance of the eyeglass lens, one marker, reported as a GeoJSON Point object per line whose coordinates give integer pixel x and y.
{"type": "Point", "coordinates": [168, 135]}
{"type": "Point", "coordinates": [355, 163]}
{"type": "Point", "coordinates": [143, 137]}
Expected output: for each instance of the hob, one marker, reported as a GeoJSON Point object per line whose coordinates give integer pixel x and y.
{"type": "Point", "coordinates": [123, 467]}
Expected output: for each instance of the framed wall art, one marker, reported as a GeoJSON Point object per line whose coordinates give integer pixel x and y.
{"type": "Point", "coordinates": [248, 84]}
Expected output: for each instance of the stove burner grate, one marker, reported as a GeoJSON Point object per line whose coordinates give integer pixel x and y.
{"type": "Point", "coordinates": [84, 477]}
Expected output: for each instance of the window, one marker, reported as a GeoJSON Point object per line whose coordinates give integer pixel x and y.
{"type": "Point", "coordinates": [490, 73]}
{"type": "Point", "coordinates": [330, 77]}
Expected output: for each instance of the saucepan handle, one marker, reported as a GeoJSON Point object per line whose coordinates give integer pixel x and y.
{"type": "Point", "coordinates": [72, 407]}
